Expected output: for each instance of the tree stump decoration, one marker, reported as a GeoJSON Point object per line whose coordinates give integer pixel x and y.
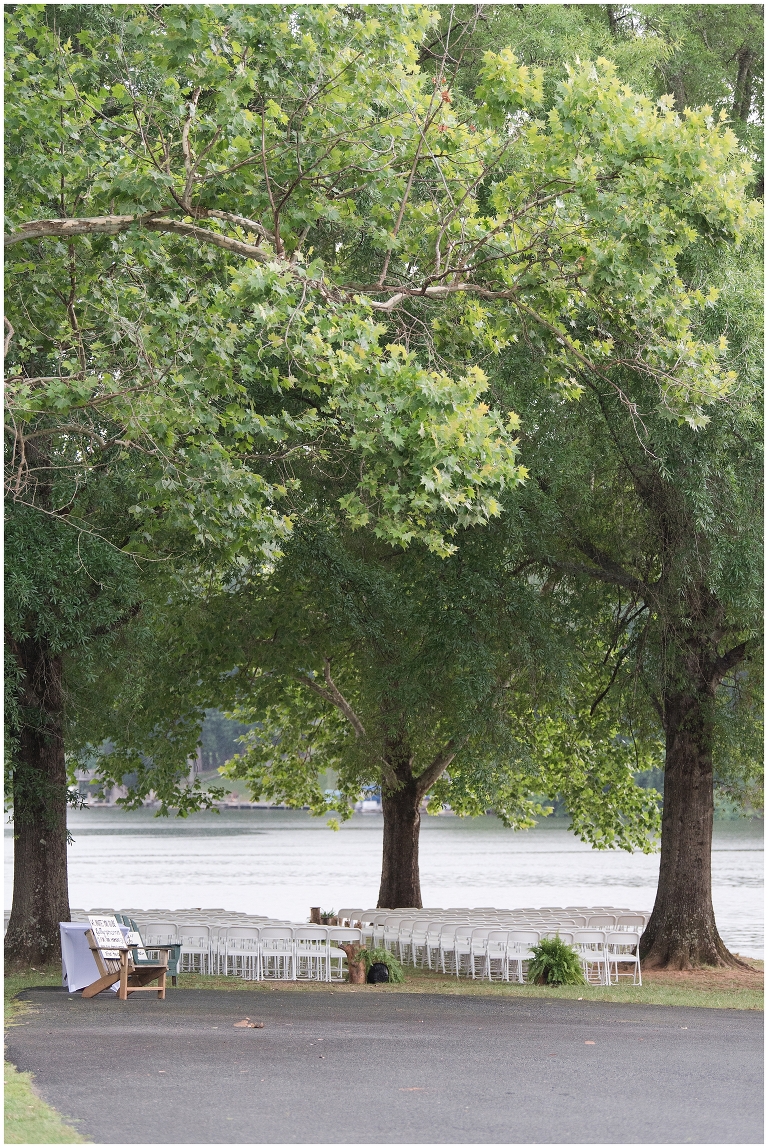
{"type": "Point", "coordinates": [355, 963]}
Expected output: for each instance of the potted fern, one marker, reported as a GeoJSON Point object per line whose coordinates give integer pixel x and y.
{"type": "Point", "coordinates": [555, 963]}
{"type": "Point", "coordinates": [382, 966]}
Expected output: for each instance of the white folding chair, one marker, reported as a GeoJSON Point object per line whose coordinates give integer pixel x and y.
{"type": "Point", "coordinates": [311, 954]}
{"type": "Point", "coordinates": [195, 941]}
{"type": "Point", "coordinates": [496, 955]}
{"type": "Point", "coordinates": [602, 921]}
{"type": "Point", "coordinates": [404, 934]}
{"type": "Point", "coordinates": [478, 951]}
{"type": "Point", "coordinates": [418, 952]}
{"type": "Point", "coordinates": [432, 946]}
{"type": "Point", "coordinates": [349, 917]}
{"type": "Point", "coordinates": [338, 935]}
{"type": "Point", "coordinates": [377, 928]}
{"type": "Point", "coordinates": [391, 931]}
{"type": "Point", "coordinates": [622, 948]}
{"type": "Point", "coordinates": [277, 953]}
{"type": "Point", "coordinates": [447, 944]}
{"type": "Point", "coordinates": [632, 921]}
{"type": "Point", "coordinates": [158, 932]}
{"type": "Point", "coordinates": [564, 935]}
{"type": "Point", "coordinates": [462, 948]}
{"type": "Point", "coordinates": [590, 945]}
{"type": "Point", "coordinates": [238, 952]}
{"type": "Point", "coordinates": [519, 945]}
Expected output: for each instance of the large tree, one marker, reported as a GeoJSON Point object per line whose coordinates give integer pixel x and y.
{"type": "Point", "coordinates": [153, 410]}
{"type": "Point", "coordinates": [425, 677]}
{"type": "Point", "coordinates": [665, 524]}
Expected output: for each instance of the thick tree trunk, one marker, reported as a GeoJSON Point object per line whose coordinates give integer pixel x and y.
{"type": "Point", "coordinates": [682, 933]}
{"type": "Point", "coordinates": [40, 890]}
{"type": "Point", "coordinates": [400, 885]}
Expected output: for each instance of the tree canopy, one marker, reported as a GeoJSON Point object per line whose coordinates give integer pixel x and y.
{"type": "Point", "coordinates": [288, 280]}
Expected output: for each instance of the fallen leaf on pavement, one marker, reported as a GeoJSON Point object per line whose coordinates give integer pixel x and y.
{"type": "Point", "coordinates": [248, 1023]}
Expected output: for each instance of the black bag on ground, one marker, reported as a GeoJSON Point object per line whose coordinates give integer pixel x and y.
{"type": "Point", "coordinates": [378, 973]}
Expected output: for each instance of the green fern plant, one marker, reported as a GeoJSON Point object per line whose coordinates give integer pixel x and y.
{"type": "Point", "coordinates": [384, 957]}
{"type": "Point", "coordinates": [555, 963]}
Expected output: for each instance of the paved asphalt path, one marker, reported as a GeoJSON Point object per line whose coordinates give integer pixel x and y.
{"type": "Point", "coordinates": [391, 1068]}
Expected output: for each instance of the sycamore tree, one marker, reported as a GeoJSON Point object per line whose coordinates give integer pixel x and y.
{"type": "Point", "coordinates": [229, 231]}
{"type": "Point", "coordinates": [154, 412]}
{"type": "Point", "coordinates": [450, 680]}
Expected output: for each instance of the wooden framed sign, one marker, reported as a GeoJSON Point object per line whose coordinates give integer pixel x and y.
{"type": "Point", "coordinates": [107, 935]}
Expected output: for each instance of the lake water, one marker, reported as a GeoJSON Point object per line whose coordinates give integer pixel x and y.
{"type": "Point", "coordinates": [280, 862]}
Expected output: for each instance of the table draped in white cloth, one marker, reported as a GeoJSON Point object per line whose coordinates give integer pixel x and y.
{"type": "Point", "coordinates": [78, 967]}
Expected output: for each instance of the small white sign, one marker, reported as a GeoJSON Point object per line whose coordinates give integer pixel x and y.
{"type": "Point", "coordinates": [134, 938]}
{"type": "Point", "coordinates": [107, 935]}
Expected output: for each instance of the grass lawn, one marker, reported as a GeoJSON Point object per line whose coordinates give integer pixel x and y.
{"type": "Point", "coordinates": [28, 1119]}
{"type": "Point", "coordinates": [702, 988]}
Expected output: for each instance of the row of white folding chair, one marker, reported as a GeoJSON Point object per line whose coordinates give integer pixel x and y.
{"type": "Point", "coordinates": [458, 948]}
{"type": "Point", "coordinates": [199, 952]}
{"type": "Point", "coordinates": [416, 939]}
{"type": "Point", "coordinates": [598, 950]}
{"type": "Point", "coordinates": [380, 917]}
{"type": "Point", "coordinates": [285, 953]}
{"type": "Point", "coordinates": [385, 927]}
{"type": "Point", "coordinates": [236, 948]}
{"type": "Point", "coordinates": [629, 921]}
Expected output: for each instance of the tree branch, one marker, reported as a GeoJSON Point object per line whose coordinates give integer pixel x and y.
{"type": "Point", "coordinates": [114, 224]}
{"type": "Point", "coordinates": [427, 779]}
{"type": "Point", "coordinates": [727, 662]}
{"type": "Point", "coordinates": [334, 695]}
{"type": "Point", "coordinates": [614, 577]}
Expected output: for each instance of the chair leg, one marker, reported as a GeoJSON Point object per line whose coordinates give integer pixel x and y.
{"type": "Point", "coordinates": [123, 991]}
{"type": "Point", "coordinates": [101, 984]}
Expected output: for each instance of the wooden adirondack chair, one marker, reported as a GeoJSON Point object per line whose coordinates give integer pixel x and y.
{"type": "Point", "coordinates": [122, 969]}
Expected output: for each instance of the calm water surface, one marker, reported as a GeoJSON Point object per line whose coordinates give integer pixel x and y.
{"type": "Point", "coordinates": [279, 862]}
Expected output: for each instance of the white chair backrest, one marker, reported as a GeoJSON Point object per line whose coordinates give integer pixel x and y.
{"type": "Point", "coordinates": [158, 932]}
{"type": "Point", "coordinates": [565, 935]}
{"type": "Point", "coordinates": [242, 936]}
{"type": "Point", "coordinates": [589, 937]}
{"type": "Point", "coordinates": [345, 934]}
{"type": "Point", "coordinates": [525, 936]}
{"type": "Point", "coordinates": [271, 933]}
{"type": "Point", "coordinates": [194, 936]}
{"type": "Point", "coordinates": [602, 921]}
{"type": "Point", "coordinates": [623, 938]}
{"type": "Point", "coordinates": [316, 936]}
{"type": "Point", "coordinates": [630, 921]}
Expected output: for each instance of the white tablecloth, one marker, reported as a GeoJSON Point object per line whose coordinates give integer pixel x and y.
{"type": "Point", "coordinates": [78, 967]}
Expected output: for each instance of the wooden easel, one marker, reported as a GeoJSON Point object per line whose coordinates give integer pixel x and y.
{"type": "Point", "coordinates": [122, 969]}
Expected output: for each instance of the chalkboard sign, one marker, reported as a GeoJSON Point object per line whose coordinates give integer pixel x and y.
{"type": "Point", "coordinates": [107, 935]}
